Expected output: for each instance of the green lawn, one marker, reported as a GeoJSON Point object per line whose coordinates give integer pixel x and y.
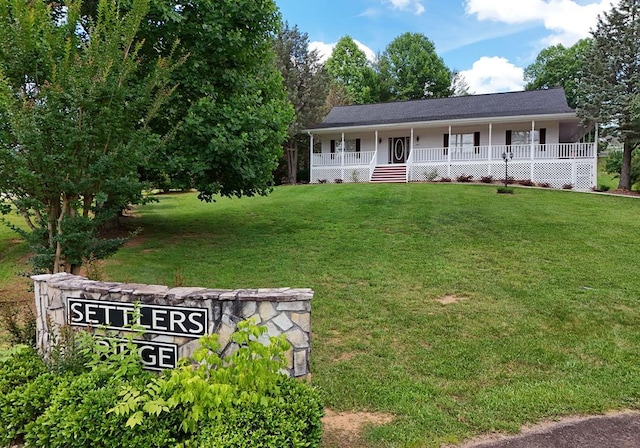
{"type": "Point", "coordinates": [550, 326]}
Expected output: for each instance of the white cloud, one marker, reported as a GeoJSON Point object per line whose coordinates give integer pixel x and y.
{"type": "Point", "coordinates": [414, 6]}
{"type": "Point", "coordinates": [494, 74]}
{"type": "Point", "coordinates": [324, 50]}
{"type": "Point", "coordinates": [566, 19]}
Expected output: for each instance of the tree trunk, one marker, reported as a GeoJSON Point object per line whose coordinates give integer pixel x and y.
{"type": "Point", "coordinates": [625, 170]}
{"type": "Point", "coordinates": [292, 163]}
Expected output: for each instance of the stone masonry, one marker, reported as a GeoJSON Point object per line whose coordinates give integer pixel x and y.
{"type": "Point", "coordinates": [282, 311]}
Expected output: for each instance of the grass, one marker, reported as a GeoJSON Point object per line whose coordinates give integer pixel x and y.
{"type": "Point", "coordinates": [604, 178]}
{"type": "Point", "coordinates": [549, 327]}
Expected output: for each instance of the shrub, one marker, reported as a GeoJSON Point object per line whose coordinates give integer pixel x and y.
{"type": "Point", "coordinates": [431, 175]}
{"type": "Point", "coordinates": [526, 183]}
{"type": "Point", "coordinates": [294, 421]}
{"type": "Point", "coordinates": [614, 165]}
{"type": "Point", "coordinates": [544, 184]}
{"type": "Point", "coordinates": [505, 190]}
{"type": "Point", "coordinates": [567, 187]}
{"type": "Point", "coordinates": [445, 179]}
{"type": "Point", "coordinates": [464, 178]}
{"type": "Point", "coordinates": [338, 181]}
{"type": "Point", "coordinates": [486, 179]}
{"type": "Point", "coordinates": [24, 404]}
{"type": "Point", "coordinates": [18, 366]}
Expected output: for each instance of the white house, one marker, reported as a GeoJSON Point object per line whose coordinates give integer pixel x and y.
{"type": "Point", "coordinates": [451, 137]}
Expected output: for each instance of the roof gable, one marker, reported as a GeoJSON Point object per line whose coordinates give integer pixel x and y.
{"type": "Point", "coordinates": [510, 104]}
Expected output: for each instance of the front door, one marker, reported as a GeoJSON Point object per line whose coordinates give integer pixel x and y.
{"type": "Point", "coordinates": [398, 149]}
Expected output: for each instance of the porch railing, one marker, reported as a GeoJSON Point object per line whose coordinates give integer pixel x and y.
{"type": "Point", "coordinates": [343, 158]}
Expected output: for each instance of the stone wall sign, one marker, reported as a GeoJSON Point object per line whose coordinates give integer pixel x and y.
{"type": "Point", "coordinates": [172, 318]}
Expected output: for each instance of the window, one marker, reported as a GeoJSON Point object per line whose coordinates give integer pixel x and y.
{"type": "Point", "coordinates": [462, 143]}
{"type": "Point", "coordinates": [349, 145]}
{"type": "Point", "coordinates": [522, 137]}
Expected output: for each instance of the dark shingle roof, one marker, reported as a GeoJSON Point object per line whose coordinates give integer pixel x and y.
{"type": "Point", "coordinates": [532, 102]}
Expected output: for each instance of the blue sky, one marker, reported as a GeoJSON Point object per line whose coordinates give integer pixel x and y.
{"type": "Point", "coordinates": [490, 41]}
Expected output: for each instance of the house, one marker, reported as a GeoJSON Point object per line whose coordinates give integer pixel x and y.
{"type": "Point", "coordinates": [539, 134]}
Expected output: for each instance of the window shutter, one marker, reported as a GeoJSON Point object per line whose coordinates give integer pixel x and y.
{"type": "Point", "coordinates": [507, 139]}
{"type": "Point", "coordinates": [333, 146]}
{"type": "Point", "coordinates": [357, 145]}
{"type": "Point", "coordinates": [445, 144]}
{"type": "Point", "coordinates": [543, 136]}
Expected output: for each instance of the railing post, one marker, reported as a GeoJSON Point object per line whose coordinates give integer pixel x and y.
{"type": "Point", "coordinates": [490, 155]}
{"type": "Point", "coordinates": [449, 155]}
{"type": "Point", "coordinates": [408, 167]}
{"type": "Point", "coordinates": [342, 159]}
{"type": "Point", "coordinates": [595, 157]}
{"type": "Point", "coordinates": [533, 150]}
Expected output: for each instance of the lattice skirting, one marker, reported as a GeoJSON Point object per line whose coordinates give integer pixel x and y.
{"type": "Point", "coordinates": [557, 173]}
{"type": "Point", "coordinates": [335, 175]}
{"type": "Point", "coordinates": [581, 174]}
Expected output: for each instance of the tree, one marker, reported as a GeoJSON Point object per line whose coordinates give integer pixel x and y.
{"type": "Point", "coordinates": [74, 112]}
{"type": "Point", "coordinates": [348, 67]}
{"type": "Point", "coordinates": [459, 85]}
{"type": "Point", "coordinates": [411, 69]}
{"type": "Point", "coordinates": [307, 86]}
{"type": "Point", "coordinates": [611, 79]}
{"type": "Point", "coordinates": [230, 104]}
{"type": "Point", "coordinates": [558, 66]}
{"type": "Point", "coordinates": [229, 114]}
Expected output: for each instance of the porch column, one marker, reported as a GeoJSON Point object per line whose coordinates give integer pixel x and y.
{"type": "Point", "coordinates": [490, 148]}
{"type": "Point", "coordinates": [375, 157]}
{"type": "Point", "coordinates": [533, 149]}
{"type": "Point", "coordinates": [311, 142]}
{"type": "Point", "coordinates": [409, 156]}
{"type": "Point", "coordinates": [449, 155]}
{"type": "Point", "coordinates": [596, 137]}
{"type": "Point", "coordinates": [342, 159]}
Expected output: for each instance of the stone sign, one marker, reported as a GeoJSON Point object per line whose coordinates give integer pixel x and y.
{"type": "Point", "coordinates": [172, 318]}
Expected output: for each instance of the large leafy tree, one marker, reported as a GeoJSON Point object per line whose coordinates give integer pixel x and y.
{"type": "Point", "coordinates": [558, 66]}
{"type": "Point", "coordinates": [411, 69]}
{"type": "Point", "coordinates": [74, 115]}
{"type": "Point", "coordinates": [307, 87]}
{"type": "Point", "coordinates": [350, 70]}
{"type": "Point", "coordinates": [610, 84]}
{"type": "Point", "coordinates": [230, 104]}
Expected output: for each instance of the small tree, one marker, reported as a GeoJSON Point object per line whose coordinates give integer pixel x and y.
{"type": "Point", "coordinates": [74, 116]}
{"type": "Point", "coordinates": [610, 84]}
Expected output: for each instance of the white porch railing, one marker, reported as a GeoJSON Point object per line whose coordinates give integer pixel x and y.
{"type": "Point", "coordinates": [350, 158]}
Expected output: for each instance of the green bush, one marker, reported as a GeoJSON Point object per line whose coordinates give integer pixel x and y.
{"type": "Point", "coordinates": [24, 404]}
{"type": "Point", "coordinates": [78, 417]}
{"type": "Point", "coordinates": [18, 366]}
{"type": "Point", "coordinates": [242, 400]}
{"type": "Point", "coordinates": [292, 421]}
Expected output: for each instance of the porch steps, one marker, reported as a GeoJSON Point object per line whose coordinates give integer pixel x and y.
{"type": "Point", "coordinates": [389, 174]}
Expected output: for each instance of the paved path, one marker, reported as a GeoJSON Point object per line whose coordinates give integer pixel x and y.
{"type": "Point", "coordinates": [609, 431]}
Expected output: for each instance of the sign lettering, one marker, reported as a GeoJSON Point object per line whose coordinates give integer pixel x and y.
{"type": "Point", "coordinates": [153, 355]}
{"type": "Point", "coordinates": [159, 319]}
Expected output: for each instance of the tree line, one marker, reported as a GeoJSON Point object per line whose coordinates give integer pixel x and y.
{"type": "Point", "coordinates": [103, 100]}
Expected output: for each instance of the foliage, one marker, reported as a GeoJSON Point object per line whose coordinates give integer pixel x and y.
{"type": "Point", "coordinates": [293, 422]}
{"type": "Point", "coordinates": [20, 323]}
{"type": "Point", "coordinates": [610, 83]}
{"type": "Point", "coordinates": [229, 115]}
{"type": "Point", "coordinates": [349, 69]}
{"type": "Point", "coordinates": [19, 365]}
{"type": "Point", "coordinates": [410, 69]}
{"type": "Point", "coordinates": [75, 112]}
{"type": "Point", "coordinates": [460, 85]}
{"type": "Point", "coordinates": [306, 83]}
{"type": "Point", "coordinates": [559, 66]}
{"type": "Point", "coordinates": [614, 165]}
{"type": "Point", "coordinates": [464, 178]}
{"type": "Point", "coordinates": [505, 190]}
{"type": "Point", "coordinates": [250, 375]}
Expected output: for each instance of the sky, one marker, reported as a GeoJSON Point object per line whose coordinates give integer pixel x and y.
{"type": "Point", "coordinates": [490, 41]}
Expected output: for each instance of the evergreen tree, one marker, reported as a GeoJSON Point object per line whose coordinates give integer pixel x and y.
{"type": "Point", "coordinates": [611, 79]}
